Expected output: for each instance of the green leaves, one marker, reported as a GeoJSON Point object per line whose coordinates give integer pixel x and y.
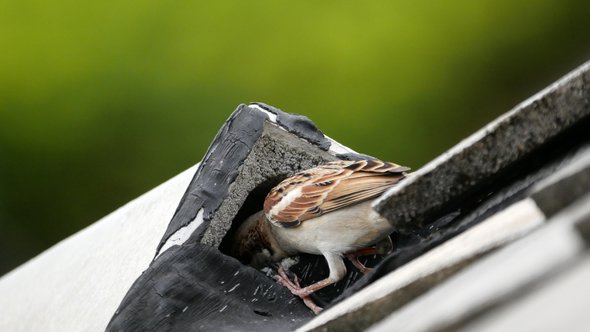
{"type": "Point", "coordinates": [101, 101]}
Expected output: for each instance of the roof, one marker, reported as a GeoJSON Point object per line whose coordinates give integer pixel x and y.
{"type": "Point", "coordinates": [496, 229]}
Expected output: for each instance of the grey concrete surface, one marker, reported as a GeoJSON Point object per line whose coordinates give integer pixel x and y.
{"type": "Point", "coordinates": [276, 155]}
{"type": "Point", "coordinates": [490, 150]}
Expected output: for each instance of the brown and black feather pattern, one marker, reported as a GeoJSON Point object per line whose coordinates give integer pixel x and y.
{"type": "Point", "coordinates": [329, 187]}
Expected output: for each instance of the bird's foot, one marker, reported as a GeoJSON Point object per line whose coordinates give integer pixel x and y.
{"type": "Point", "coordinates": [383, 247]}
{"type": "Point", "coordinates": [284, 280]}
{"type": "Point", "coordinates": [297, 290]}
{"type": "Point", "coordinates": [294, 285]}
{"type": "Point", "coordinates": [354, 259]}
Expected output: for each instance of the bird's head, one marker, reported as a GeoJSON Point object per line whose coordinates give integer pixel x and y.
{"type": "Point", "coordinates": [254, 244]}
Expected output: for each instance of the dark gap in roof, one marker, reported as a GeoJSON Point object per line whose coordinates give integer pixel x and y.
{"type": "Point", "coordinates": [552, 153]}
{"type": "Point", "coordinates": [252, 204]}
{"type": "Point", "coordinates": [309, 268]}
{"type": "Point", "coordinates": [487, 198]}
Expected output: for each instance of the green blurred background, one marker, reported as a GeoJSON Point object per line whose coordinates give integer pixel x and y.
{"type": "Point", "coordinates": [101, 101]}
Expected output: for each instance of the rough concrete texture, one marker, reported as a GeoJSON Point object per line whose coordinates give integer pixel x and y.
{"type": "Point", "coordinates": [221, 164]}
{"type": "Point", "coordinates": [488, 152]}
{"type": "Point", "coordinates": [276, 155]}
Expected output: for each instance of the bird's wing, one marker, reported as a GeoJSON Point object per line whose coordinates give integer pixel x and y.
{"type": "Point", "coordinates": [329, 187]}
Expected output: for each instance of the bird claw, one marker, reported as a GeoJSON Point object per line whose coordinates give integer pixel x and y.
{"type": "Point", "coordinates": [354, 259]}
{"type": "Point", "coordinates": [311, 305]}
{"type": "Point", "coordinates": [296, 282]}
{"type": "Point", "coordinates": [284, 280]}
{"type": "Point", "coordinates": [295, 288]}
{"type": "Point", "coordinates": [365, 269]}
{"type": "Point", "coordinates": [382, 247]}
{"type": "Point", "coordinates": [293, 285]}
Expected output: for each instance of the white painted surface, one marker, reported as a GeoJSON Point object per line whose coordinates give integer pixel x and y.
{"type": "Point", "coordinates": [77, 284]}
{"type": "Point", "coordinates": [180, 236]}
{"type": "Point", "coordinates": [271, 116]}
{"type": "Point", "coordinates": [493, 278]}
{"type": "Point", "coordinates": [337, 148]}
{"type": "Point", "coordinates": [559, 305]}
{"type": "Point", "coordinates": [513, 222]}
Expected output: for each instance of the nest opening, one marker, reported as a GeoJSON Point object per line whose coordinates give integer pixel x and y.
{"type": "Point", "coordinates": [251, 205]}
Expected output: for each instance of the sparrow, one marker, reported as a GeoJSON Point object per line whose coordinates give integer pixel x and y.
{"type": "Point", "coordinates": [325, 211]}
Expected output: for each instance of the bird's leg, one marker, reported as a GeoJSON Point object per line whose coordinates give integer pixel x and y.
{"type": "Point", "coordinates": [309, 302]}
{"type": "Point", "coordinates": [382, 247]}
{"type": "Point", "coordinates": [284, 280]}
{"type": "Point", "coordinates": [294, 287]}
{"type": "Point", "coordinates": [337, 272]}
{"type": "Point", "coordinates": [354, 259]}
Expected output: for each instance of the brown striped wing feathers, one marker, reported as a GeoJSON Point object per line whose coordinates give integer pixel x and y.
{"type": "Point", "coordinates": [329, 187]}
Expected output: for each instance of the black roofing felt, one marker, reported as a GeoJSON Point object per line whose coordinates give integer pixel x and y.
{"type": "Point", "coordinates": [218, 169]}
{"type": "Point", "coordinates": [183, 288]}
{"type": "Point", "coordinates": [302, 126]}
{"type": "Point", "coordinates": [194, 286]}
{"type": "Point", "coordinates": [299, 125]}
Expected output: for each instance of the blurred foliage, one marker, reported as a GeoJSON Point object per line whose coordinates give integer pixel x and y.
{"type": "Point", "coordinates": [101, 101]}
